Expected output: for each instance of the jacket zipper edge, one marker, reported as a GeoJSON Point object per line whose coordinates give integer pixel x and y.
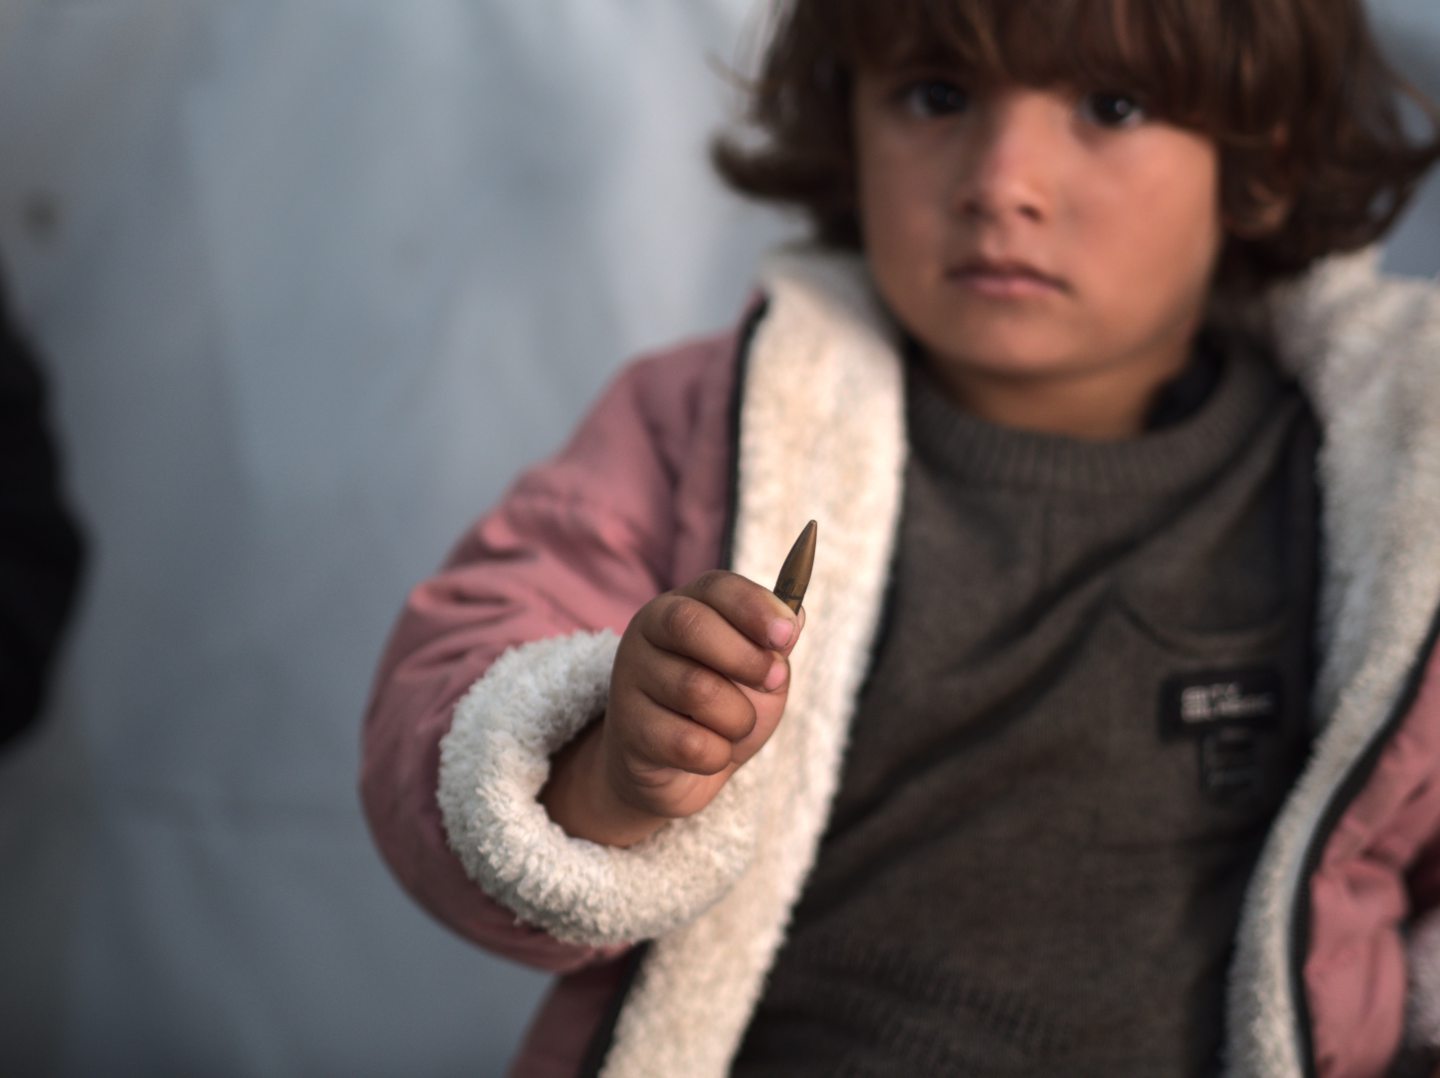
{"type": "Point", "coordinates": [1339, 801]}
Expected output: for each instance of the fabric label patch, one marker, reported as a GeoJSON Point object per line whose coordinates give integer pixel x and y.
{"type": "Point", "coordinates": [1228, 714]}
{"type": "Point", "coordinates": [1195, 704]}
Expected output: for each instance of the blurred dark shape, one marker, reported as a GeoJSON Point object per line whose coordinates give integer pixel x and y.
{"type": "Point", "coordinates": [40, 544]}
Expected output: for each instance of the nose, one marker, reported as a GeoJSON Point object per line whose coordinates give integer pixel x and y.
{"type": "Point", "coordinates": [1010, 157]}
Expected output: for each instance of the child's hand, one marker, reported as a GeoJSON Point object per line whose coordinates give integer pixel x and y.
{"type": "Point", "coordinates": [699, 684]}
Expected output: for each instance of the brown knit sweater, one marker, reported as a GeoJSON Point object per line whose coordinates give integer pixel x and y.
{"type": "Point", "coordinates": [1089, 698]}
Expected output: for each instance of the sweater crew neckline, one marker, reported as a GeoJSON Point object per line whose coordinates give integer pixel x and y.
{"type": "Point", "coordinates": [1171, 457]}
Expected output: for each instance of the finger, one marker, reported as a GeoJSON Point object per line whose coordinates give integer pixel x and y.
{"type": "Point", "coordinates": [692, 690]}
{"type": "Point", "coordinates": [769, 714]}
{"type": "Point", "coordinates": [662, 739]}
{"type": "Point", "coordinates": [755, 611]}
{"type": "Point", "coordinates": [688, 626]}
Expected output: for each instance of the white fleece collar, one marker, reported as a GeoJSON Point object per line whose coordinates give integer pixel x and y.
{"type": "Point", "coordinates": [822, 435]}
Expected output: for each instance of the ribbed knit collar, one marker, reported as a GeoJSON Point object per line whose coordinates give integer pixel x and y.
{"type": "Point", "coordinates": [1170, 458]}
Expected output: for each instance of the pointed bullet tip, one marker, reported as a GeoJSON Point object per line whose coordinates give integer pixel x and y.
{"type": "Point", "coordinates": [794, 575]}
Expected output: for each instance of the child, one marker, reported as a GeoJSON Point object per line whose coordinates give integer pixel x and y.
{"type": "Point", "coordinates": [1098, 748]}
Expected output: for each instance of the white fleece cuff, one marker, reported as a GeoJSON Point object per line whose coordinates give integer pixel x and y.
{"type": "Point", "coordinates": [493, 764]}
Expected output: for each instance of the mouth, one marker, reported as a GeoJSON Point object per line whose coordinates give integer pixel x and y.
{"type": "Point", "coordinates": [997, 278]}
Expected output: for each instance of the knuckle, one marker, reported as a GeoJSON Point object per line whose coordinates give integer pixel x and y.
{"type": "Point", "coordinates": [757, 666]}
{"type": "Point", "coordinates": [699, 688]}
{"type": "Point", "coordinates": [711, 581]}
{"type": "Point", "coordinates": [648, 614]}
{"type": "Point", "coordinates": [699, 751]}
{"type": "Point", "coordinates": [647, 743]}
{"type": "Point", "coordinates": [744, 720]}
{"type": "Point", "coordinates": [682, 619]}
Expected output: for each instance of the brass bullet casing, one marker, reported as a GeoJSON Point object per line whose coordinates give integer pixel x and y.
{"type": "Point", "coordinates": [794, 575]}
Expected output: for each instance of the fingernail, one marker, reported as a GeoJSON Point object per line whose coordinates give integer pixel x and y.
{"type": "Point", "coordinates": [781, 630]}
{"type": "Point", "coordinates": [776, 677]}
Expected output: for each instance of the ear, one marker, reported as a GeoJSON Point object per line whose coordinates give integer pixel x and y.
{"type": "Point", "coordinates": [1267, 196]}
{"type": "Point", "coordinates": [1268, 211]}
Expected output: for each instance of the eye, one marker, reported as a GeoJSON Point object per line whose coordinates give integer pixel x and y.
{"type": "Point", "coordinates": [933, 97]}
{"type": "Point", "coordinates": [1113, 109]}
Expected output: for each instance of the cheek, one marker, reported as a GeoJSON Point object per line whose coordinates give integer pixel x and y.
{"type": "Point", "coordinates": [886, 203]}
{"type": "Point", "coordinates": [1168, 218]}
{"type": "Point", "coordinates": [900, 181]}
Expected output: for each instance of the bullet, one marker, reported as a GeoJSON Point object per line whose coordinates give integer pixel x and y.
{"type": "Point", "coordinates": [794, 575]}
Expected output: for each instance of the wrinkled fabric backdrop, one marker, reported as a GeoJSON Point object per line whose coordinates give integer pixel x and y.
{"type": "Point", "coordinates": [312, 279]}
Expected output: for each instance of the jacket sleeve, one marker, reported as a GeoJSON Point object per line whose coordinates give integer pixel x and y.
{"type": "Point", "coordinates": [514, 640]}
{"type": "Point", "coordinates": [40, 547]}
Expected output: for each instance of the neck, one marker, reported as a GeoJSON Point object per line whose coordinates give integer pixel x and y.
{"type": "Point", "coordinates": [1103, 405]}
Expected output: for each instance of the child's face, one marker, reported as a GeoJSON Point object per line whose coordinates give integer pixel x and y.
{"type": "Point", "coordinates": [1037, 241]}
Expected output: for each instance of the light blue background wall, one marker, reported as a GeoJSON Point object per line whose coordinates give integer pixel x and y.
{"type": "Point", "coordinates": [313, 278]}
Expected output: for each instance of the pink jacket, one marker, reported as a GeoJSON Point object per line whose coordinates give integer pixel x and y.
{"type": "Point", "coordinates": [714, 454]}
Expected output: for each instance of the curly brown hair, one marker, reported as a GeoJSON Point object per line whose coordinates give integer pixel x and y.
{"type": "Point", "coordinates": [1305, 112]}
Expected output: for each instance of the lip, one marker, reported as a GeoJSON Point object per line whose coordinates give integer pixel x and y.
{"type": "Point", "coordinates": [1005, 278]}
